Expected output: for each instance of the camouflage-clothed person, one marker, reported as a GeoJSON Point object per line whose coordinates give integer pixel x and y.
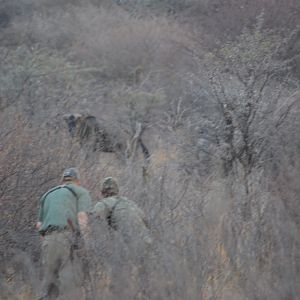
{"type": "Point", "coordinates": [121, 214]}
{"type": "Point", "coordinates": [58, 223]}
{"type": "Point", "coordinates": [128, 248]}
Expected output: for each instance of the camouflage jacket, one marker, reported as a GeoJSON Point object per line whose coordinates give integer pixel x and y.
{"type": "Point", "coordinates": [124, 216]}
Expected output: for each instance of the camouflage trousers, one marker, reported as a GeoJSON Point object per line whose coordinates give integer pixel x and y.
{"type": "Point", "coordinates": [62, 272]}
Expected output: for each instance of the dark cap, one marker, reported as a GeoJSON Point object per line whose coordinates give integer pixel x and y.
{"type": "Point", "coordinates": [71, 173]}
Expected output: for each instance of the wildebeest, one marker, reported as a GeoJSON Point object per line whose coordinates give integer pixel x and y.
{"type": "Point", "coordinates": [94, 137]}
{"type": "Point", "coordinates": [88, 132]}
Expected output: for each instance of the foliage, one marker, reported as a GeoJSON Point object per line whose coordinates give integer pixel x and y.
{"type": "Point", "coordinates": [220, 129]}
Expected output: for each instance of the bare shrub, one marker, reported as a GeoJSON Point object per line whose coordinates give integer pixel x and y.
{"type": "Point", "coordinates": [254, 92]}
{"type": "Point", "coordinates": [221, 191]}
{"type": "Point", "coordinates": [117, 45]}
{"type": "Point", "coordinates": [125, 47]}
{"type": "Point", "coordinates": [225, 19]}
{"type": "Point", "coordinates": [249, 83]}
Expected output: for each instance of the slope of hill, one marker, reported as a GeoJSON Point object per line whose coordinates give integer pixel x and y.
{"type": "Point", "coordinates": [200, 102]}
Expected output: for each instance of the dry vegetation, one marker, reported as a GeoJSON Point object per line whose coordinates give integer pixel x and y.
{"type": "Point", "coordinates": [211, 88]}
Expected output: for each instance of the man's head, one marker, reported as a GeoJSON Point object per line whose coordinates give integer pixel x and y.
{"type": "Point", "coordinates": [70, 175]}
{"type": "Point", "coordinates": [109, 187]}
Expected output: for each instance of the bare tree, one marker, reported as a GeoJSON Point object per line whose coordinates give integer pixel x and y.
{"type": "Point", "coordinates": [254, 93]}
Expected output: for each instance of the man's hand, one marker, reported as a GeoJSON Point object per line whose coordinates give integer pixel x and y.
{"type": "Point", "coordinates": [38, 225]}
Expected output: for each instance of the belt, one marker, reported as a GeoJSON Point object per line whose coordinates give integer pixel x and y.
{"type": "Point", "coordinates": [52, 228]}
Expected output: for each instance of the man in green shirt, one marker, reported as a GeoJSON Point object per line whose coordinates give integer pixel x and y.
{"type": "Point", "coordinates": [62, 215]}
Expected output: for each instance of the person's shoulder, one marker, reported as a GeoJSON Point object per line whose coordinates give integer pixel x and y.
{"type": "Point", "coordinates": [45, 195]}
{"type": "Point", "coordinates": [110, 200]}
{"type": "Point", "coordinates": [51, 190]}
{"type": "Point", "coordinates": [129, 202]}
{"type": "Point", "coordinates": [78, 188]}
{"type": "Point", "coordinates": [104, 204]}
{"type": "Point", "coordinates": [99, 206]}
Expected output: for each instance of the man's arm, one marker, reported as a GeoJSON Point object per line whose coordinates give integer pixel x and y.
{"type": "Point", "coordinates": [100, 210]}
{"type": "Point", "coordinates": [83, 219]}
{"type": "Point", "coordinates": [40, 214]}
{"type": "Point", "coordinates": [84, 206]}
{"type": "Point", "coordinates": [84, 201]}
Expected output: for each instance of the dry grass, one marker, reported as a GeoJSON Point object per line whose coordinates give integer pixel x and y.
{"type": "Point", "coordinates": [136, 69]}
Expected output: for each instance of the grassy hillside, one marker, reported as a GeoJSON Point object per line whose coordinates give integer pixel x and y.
{"type": "Point", "coordinates": [198, 103]}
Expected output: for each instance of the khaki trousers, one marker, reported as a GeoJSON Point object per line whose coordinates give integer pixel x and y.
{"type": "Point", "coordinates": [62, 274]}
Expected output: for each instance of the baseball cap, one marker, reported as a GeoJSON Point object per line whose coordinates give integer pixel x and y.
{"type": "Point", "coordinates": [71, 172]}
